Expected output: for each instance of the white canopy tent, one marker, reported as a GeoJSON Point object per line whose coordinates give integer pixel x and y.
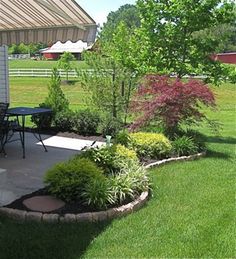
{"type": "Point", "coordinates": [46, 21]}
{"type": "Point", "coordinates": [73, 47]}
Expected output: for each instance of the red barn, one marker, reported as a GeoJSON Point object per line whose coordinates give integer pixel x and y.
{"type": "Point", "coordinates": [229, 58]}
{"type": "Point", "coordinates": [55, 51]}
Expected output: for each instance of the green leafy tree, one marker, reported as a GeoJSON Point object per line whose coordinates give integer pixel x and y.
{"type": "Point", "coordinates": [23, 49]}
{"type": "Point", "coordinates": [128, 14]}
{"type": "Point", "coordinates": [65, 62]}
{"type": "Point", "coordinates": [31, 48]}
{"type": "Point", "coordinates": [13, 49]}
{"type": "Point", "coordinates": [166, 41]}
{"type": "Point", "coordinates": [223, 34]}
{"type": "Point", "coordinates": [113, 79]}
{"type": "Point", "coordinates": [110, 84]}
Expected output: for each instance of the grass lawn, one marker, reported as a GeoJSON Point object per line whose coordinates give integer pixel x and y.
{"type": "Point", "coordinates": [191, 213]}
{"type": "Point", "coordinates": [28, 63]}
{"type": "Point", "coordinates": [30, 91]}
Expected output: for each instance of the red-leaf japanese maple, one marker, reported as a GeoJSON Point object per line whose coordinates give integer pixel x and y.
{"type": "Point", "coordinates": [172, 101]}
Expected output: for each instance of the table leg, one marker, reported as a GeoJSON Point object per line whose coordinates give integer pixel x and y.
{"type": "Point", "coordinates": [22, 133]}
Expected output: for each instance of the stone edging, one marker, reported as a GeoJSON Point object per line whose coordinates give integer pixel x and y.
{"type": "Point", "coordinates": [175, 159]}
{"type": "Point", "coordinates": [22, 215]}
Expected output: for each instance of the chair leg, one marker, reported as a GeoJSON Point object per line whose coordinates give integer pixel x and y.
{"type": "Point", "coordinates": [2, 150]}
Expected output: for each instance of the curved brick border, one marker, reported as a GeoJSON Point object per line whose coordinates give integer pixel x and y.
{"type": "Point", "coordinates": [22, 215]}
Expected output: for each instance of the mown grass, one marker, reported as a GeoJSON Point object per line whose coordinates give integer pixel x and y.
{"type": "Point", "coordinates": [191, 213]}
{"type": "Point", "coordinates": [30, 91]}
{"type": "Point", "coordinates": [47, 64]}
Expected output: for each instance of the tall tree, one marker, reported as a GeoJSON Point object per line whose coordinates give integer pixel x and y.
{"type": "Point", "coordinates": [223, 34]}
{"type": "Point", "coordinates": [166, 38]}
{"type": "Point", "coordinates": [113, 78]}
{"type": "Point", "coordinates": [110, 84]}
{"type": "Point", "coordinates": [127, 14]}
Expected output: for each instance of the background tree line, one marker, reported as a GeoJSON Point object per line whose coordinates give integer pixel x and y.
{"type": "Point", "coordinates": [22, 48]}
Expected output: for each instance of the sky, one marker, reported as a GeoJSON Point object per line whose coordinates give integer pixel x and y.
{"type": "Point", "coordinates": [99, 9]}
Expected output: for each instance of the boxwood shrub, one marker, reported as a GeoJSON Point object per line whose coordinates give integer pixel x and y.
{"type": "Point", "coordinates": [67, 180]}
{"type": "Point", "coordinates": [152, 145]}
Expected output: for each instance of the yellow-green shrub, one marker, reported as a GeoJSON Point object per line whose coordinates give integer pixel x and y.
{"type": "Point", "coordinates": [125, 153]}
{"type": "Point", "coordinates": [124, 156]}
{"type": "Point", "coordinates": [153, 145]}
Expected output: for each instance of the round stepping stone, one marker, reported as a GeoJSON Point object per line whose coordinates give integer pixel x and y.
{"type": "Point", "coordinates": [44, 203]}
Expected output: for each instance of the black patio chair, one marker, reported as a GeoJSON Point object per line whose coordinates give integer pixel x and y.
{"type": "Point", "coordinates": [3, 126]}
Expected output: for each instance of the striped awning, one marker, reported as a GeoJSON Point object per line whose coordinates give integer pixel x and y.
{"type": "Point", "coordinates": [45, 21]}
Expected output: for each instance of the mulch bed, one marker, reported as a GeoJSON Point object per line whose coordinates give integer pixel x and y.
{"type": "Point", "coordinates": [75, 207]}
{"type": "Point", "coordinates": [55, 132]}
{"type": "Point", "coordinates": [71, 208]}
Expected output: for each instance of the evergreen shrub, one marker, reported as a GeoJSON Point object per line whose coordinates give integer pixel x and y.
{"type": "Point", "coordinates": [152, 145]}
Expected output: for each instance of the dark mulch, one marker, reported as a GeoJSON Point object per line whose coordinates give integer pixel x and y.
{"type": "Point", "coordinates": [74, 135]}
{"type": "Point", "coordinates": [55, 132]}
{"type": "Point", "coordinates": [74, 208]}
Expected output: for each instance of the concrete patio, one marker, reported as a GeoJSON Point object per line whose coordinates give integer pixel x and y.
{"type": "Point", "coordinates": [22, 176]}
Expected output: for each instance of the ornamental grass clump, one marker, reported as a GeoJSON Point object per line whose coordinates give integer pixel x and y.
{"type": "Point", "coordinates": [129, 183]}
{"type": "Point", "coordinates": [97, 194]}
{"type": "Point", "coordinates": [150, 145]}
{"type": "Point", "coordinates": [184, 146]}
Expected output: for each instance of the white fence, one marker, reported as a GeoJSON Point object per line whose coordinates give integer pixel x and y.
{"type": "Point", "coordinates": [38, 72]}
{"type": "Point", "coordinates": [19, 56]}
{"type": "Point", "coordinates": [41, 72]}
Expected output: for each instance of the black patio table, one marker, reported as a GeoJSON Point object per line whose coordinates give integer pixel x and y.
{"type": "Point", "coordinates": [23, 112]}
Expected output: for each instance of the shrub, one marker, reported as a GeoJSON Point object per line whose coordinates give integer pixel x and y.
{"type": "Point", "coordinates": [68, 180]}
{"type": "Point", "coordinates": [56, 99]}
{"type": "Point", "coordinates": [171, 102]}
{"type": "Point", "coordinates": [122, 138]}
{"type": "Point", "coordinates": [86, 122]}
{"type": "Point", "coordinates": [111, 159]}
{"type": "Point", "coordinates": [151, 145]}
{"type": "Point", "coordinates": [103, 157]}
{"type": "Point", "coordinates": [111, 127]}
{"type": "Point", "coordinates": [97, 194]}
{"type": "Point", "coordinates": [64, 121]}
{"type": "Point", "coordinates": [124, 157]}
{"type": "Point", "coordinates": [43, 121]}
{"type": "Point", "coordinates": [184, 146]}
